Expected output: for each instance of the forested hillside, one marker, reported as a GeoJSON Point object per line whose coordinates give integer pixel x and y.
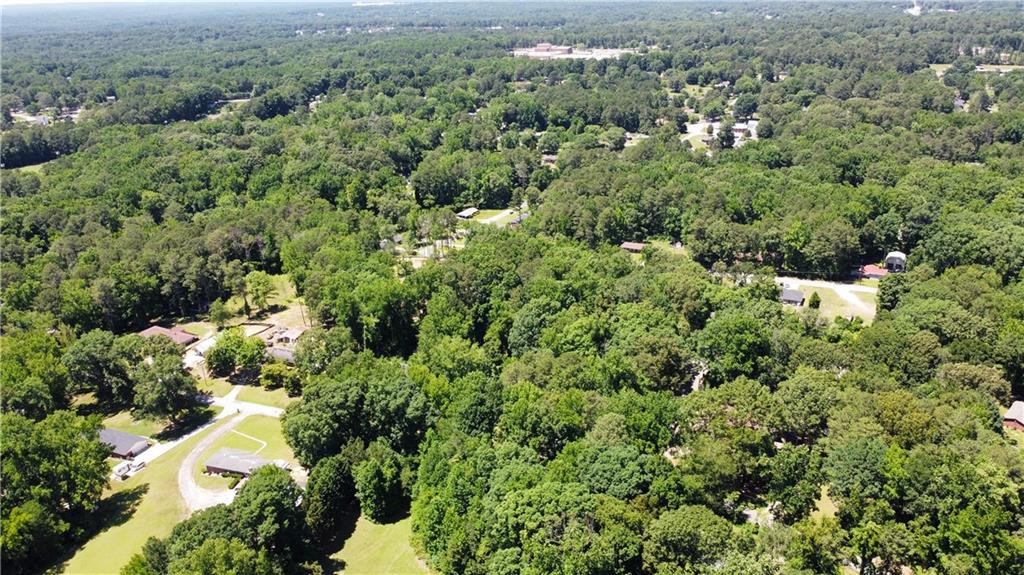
{"type": "Point", "coordinates": [535, 398]}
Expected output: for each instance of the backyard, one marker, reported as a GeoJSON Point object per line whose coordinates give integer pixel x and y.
{"type": "Point", "coordinates": [373, 549]}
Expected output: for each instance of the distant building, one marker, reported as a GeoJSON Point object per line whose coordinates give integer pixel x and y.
{"type": "Point", "coordinates": [633, 247]}
{"type": "Point", "coordinates": [123, 445]}
{"type": "Point", "coordinates": [1014, 417]}
{"type": "Point", "coordinates": [896, 262]}
{"type": "Point", "coordinates": [289, 336]}
{"type": "Point", "coordinates": [467, 213]}
{"type": "Point", "coordinates": [227, 460]}
{"type": "Point", "coordinates": [791, 296]}
{"type": "Point", "coordinates": [552, 49]}
{"type": "Point", "coordinates": [871, 271]}
{"type": "Point", "coordinates": [178, 335]}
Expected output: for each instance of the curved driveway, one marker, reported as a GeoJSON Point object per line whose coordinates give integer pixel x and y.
{"type": "Point", "coordinates": [197, 497]}
{"type": "Point", "coordinates": [234, 411]}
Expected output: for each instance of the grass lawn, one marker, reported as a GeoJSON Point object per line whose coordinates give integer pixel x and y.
{"type": "Point", "coordinates": [869, 282]}
{"type": "Point", "coordinates": [869, 300]}
{"type": "Point", "coordinates": [664, 245]}
{"type": "Point", "coordinates": [940, 68]}
{"type": "Point", "coordinates": [374, 549]}
{"type": "Point", "coordinates": [199, 329]}
{"type": "Point", "coordinates": [484, 214]}
{"type": "Point", "coordinates": [258, 434]}
{"type": "Point", "coordinates": [504, 220]}
{"type": "Point", "coordinates": [125, 422]}
{"type": "Point", "coordinates": [217, 387]}
{"type": "Point", "coordinates": [696, 141]}
{"type": "Point", "coordinates": [33, 168]}
{"type": "Point", "coordinates": [824, 506]}
{"type": "Point", "coordinates": [159, 508]}
{"type": "Point", "coordinates": [284, 295]}
{"type": "Point", "coordinates": [832, 305]}
{"type": "Point", "coordinates": [274, 398]}
{"type": "Point", "coordinates": [1016, 437]}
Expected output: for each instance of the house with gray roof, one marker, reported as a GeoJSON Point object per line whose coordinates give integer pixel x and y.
{"type": "Point", "coordinates": [123, 445]}
{"type": "Point", "coordinates": [792, 296]}
{"type": "Point", "coordinates": [244, 463]}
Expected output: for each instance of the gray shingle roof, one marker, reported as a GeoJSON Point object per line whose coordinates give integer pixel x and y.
{"type": "Point", "coordinates": [123, 444]}
{"type": "Point", "coordinates": [792, 295]}
{"type": "Point", "coordinates": [1015, 413]}
{"type": "Point", "coordinates": [238, 461]}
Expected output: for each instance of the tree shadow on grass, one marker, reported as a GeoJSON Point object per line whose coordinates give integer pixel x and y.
{"type": "Point", "coordinates": [110, 512]}
{"type": "Point", "coordinates": [322, 552]}
{"type": "Point", "coordinates": [194, 419]}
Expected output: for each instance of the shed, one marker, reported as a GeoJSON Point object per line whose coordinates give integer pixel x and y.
{"type": "Point", "coordinates": [792, 297]}
{"type": "Point", "coordinates": [633, 247]}
{"type": "Point", "coordinates": [871, 271]}
{"type": "Point", "coordinates": [227, 460]}
{"type": "Point", "coordinates": [178, 335]}
{"type": "Point", "coordinates": [467, 213]}
{"type": "Point", "coordinates": [896, 261]}
{"type": "Point", "coordinates": [1014, 417]}
{"type": "Point", "coordinates": [123, 445]}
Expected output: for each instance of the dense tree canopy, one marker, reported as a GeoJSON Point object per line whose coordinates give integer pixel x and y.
{"type": "Point", "coordinates": [537, 399]}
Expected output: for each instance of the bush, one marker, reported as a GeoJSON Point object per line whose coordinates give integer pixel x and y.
{"type": "Point", "coordinates": [275, 375]}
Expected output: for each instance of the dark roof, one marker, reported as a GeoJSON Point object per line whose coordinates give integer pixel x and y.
{"type": "Point", "coordinates": [238, 461]}
{"type": "Point", "coordinates": [178, 335]}
{"type": "Point", "coordinates": [792, 295]}
{"type": "Point", "coordinates": [123, 444]}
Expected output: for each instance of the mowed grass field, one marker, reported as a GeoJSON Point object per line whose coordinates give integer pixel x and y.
{"type": "Point", "coordinates": [158, 507]}
{"type": "Point", "coordinates": [272, 397]}
{"type": "Point", "coordinates": [832, 305]}
{"type": "Point", "coordinates": [257, 434]}
{"type": "Point", "coordinates": [378, 549]}
{"type": "Point", "coordinates": [125, 422]}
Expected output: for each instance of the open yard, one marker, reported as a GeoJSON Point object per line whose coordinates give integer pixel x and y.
{"type": "Point", "coordinates": [146, 505]}
{"type": "Point", "coordinates": [824, 507]}
{"type": "Point", "coordinates": [374, 549]}
{"type": "Point", "coordinates": [217, 386]}
{"type": "Point", "coordinates": [832, 304]}
{"type": "Point", "coordinates": [258, 434]}
{"type": "Point", "coordinates": [125, 422]}
{"type": "Point", "coordinates": [272, 397]}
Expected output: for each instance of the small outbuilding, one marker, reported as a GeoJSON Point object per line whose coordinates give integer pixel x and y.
{"type": "Point", "coordinates": [791, 296]}
{"type": "Point", "coordinates": [871, 271]}
{"type": "Point", "coordinates": [467, 213]}
{"type": "Point", "coordinates": [244, 463]}
{"type": "Point", "coordinates": [290, 336]}
{"type": "Point", "coordinates": [178, 335]}
{"type": "Point", "coordinates": [1014, 417]}
{"type": "Point", "coordinates": [633, 247]}
{"type": "Point", "coordinates": [123, 445]}
{"type": "Point", "coordinates": [896, 262]}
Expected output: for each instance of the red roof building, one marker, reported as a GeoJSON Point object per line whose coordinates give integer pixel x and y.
{"type": "Point", "coordinates": [872, 271]}
{"type": "Point", "coordinates": [178, 335]}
